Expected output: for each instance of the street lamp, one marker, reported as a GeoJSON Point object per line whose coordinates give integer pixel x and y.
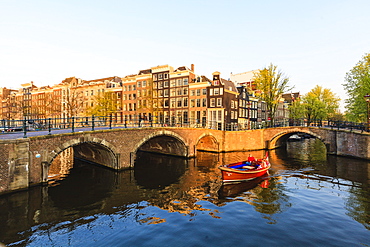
{"type": "Point", "coordinates": [367, 99]}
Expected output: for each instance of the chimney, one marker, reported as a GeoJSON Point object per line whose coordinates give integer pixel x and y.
{"type": "Point", "coordinates": [192, 67]}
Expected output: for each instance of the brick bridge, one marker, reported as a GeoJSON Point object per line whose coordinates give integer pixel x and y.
{"type": "Point", "coordinates": [26, 161]}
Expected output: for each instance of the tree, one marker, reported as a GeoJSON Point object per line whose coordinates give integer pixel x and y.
{"type": "Point", "coordinates": [357, 86]}
{"type": "Point", "coordinates": [105, 104]}
{"type": "Point", "coordinates": [73, 102]}
{"type": "Point", "coordinates": [271, 84]}
{"type": "Point", "coordinates": [296, 110]}
{"type": "Point", "coordinates": [320, 103]}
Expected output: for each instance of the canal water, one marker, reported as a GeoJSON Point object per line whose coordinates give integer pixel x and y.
{"type": "Point", "coordinates": [307, 199]}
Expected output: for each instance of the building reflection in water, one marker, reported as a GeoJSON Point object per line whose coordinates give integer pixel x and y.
{"type": "Point", "coordinates": [61, 166]}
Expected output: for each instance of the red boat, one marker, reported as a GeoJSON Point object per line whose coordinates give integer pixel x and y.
{"type": "Point", "coordinates": [245, 170]}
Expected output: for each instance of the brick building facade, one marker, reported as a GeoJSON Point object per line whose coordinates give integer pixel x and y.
{"type": "Point", "coordinates": [161, 94]}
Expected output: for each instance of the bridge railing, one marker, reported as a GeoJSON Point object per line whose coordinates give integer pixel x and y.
{"type": "Point", "coordinates": [103, 122]}
{"type": "Point", "coordinates": [332, 124]}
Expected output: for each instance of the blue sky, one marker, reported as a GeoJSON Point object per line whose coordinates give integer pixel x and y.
{"type": "Point", "coordinates": [313, 42]}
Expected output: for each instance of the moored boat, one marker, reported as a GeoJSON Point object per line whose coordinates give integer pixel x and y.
{"type": "Point", "coordinates": [245, 170]}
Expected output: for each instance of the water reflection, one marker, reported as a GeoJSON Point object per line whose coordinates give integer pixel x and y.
{"type": "Point", "coordinates": [90, 196]}
{"type": "Point", "coordinates": [163, 170]}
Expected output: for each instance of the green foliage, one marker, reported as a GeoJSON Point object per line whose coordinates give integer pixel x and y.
{"type": "Point", "coordinates": [104, 105]}
{"type": "Point", "coordinates": [296, 110]}
{"type": "Point", "coordinates": [318, 104]}
{"type": "Point", "coordinates": [271, 84]}
{"type": "Point", "coordinates": [314, 108]}
{"type": "Point", "coordinates": [357, 86]}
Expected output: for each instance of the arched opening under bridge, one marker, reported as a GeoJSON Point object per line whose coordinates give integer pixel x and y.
{"type": "Point", "coordinates": [164, 144]}
{"type": "Point", "coordinates": [207, 143]}
{"type": "Point", "coordinates": [62, 160]}
{"type": "Point", "coordinates": [298, 145]}
{"type": "Point", "coordinates": [160, 161]}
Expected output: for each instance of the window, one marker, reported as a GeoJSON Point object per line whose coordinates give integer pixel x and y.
{"type": "Point", "coordinates": [213, 100]}
{"type": "Point", "coordinates": [198, 92]}
{"type": "Point", "coordinates": [217, 91]}
{"type": "Point", "coordinates": [204, 103]}
{"type": "Point", "coordinates": [166, 93]}
{"type": "Point", "coordinates": [192, 114]}
{"type": "Point", "coordinates": [192, 93]}
{"type": "Point", "coordinates": [219, 102]}
{"type": "Point", "coordinates": [186, 81]}
{"type": "Point", "coordinates": [211, 91]}
{"type": "Point", "coordinates": [185, 102]}
{"type": "Point", "coordinates": [204, 91]}
{"type": "Point", "coordinates": [160, 76]}
{"type": "Point", "coordinates": [219, 115]}
{"type": "Point", "coordinates": [173, 83]}
{"type": "Point", "coordinates": [139, 84]}
{"type": "Point", "coordinates": [144, 83]}
{"type": "Point", "coordinates": [179, 102]}
{"type": "Point", "coordinates": [198, 102]}
{"type": "Point", "coordinates": [165, 83]}
{"type": "Point", "coordinates": [185, 92]}
{"type": "Point", "coordinates": [192, 103]}
{"type": "Point", "coordinates": [179, 82]}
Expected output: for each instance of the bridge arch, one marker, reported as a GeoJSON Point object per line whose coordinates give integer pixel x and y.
{"type": "Point", "coordinates": [207, 142]}
{"type": "Point", "coordinates": [280, 138]}
{"type": "Point", "coordinates": [91, 149]}
{"type": "Point", "coordinates": [165, 142]}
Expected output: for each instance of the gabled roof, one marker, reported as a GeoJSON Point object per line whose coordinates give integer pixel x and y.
{"type": "Point", "coordinates": [204, 78]}
{"type": "Point", "coordinates": [182, 68]}
{"type": "Point", "coordinates": [290, 97]}
{"type": "Point", "coordinates": [112, 78]}
{"type": "Point", "coordinates": [145, 71]}
{"type": "Point", "coordinates": [229, 85]}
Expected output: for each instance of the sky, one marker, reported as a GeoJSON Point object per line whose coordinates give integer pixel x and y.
{"type": "Point", "coordinates": [312, 42]}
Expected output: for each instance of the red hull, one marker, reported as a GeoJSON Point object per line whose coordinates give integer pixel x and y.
{"type": "Point", "coordinates": [237, 175]}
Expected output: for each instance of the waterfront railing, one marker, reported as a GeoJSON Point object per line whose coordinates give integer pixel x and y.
{"type": "Point", "coordinates": [92, 123]}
